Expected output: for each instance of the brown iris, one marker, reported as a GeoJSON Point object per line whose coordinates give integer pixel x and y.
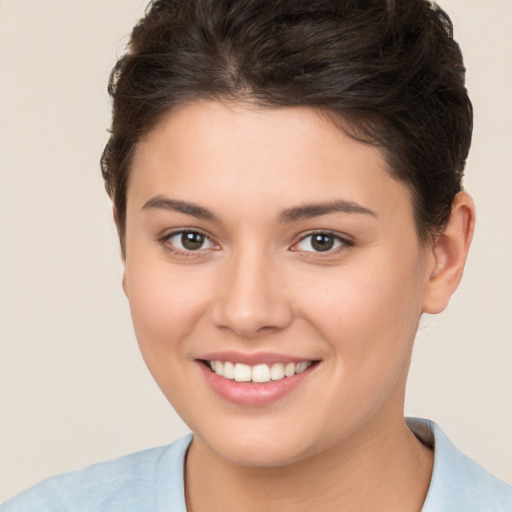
{"type": "Point", "coordinates": [321, 242]}
{"type": "Point", "coordinates": [192, 241]}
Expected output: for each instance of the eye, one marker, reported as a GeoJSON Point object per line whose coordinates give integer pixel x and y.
{"type": "Point", "coordinates": [188, 241]}
{"type": "Point", "coordinates": [320, 242]}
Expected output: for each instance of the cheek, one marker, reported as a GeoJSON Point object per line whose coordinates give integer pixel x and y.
{"type": "Point", "coordinates": [367, 308]}
{"type": "Point", "coordinates": [166, 309]}
{"type": "Point", "coordinates": [166, 304]}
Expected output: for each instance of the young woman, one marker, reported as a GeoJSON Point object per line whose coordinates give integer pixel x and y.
{"type": "Point", "coordinates": [286, 180]}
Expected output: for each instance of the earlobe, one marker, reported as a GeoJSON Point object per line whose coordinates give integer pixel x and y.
{"type": "Point", "coordinates": [449, 253]}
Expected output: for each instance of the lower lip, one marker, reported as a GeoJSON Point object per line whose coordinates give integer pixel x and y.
{"type": "Point", "coordinates": [253, 394]}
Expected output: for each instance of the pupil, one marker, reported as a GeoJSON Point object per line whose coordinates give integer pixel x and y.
{"type": "Point", "coordinates": [322, 242]}
{"type": "Point", "coordinates": [192, 241]}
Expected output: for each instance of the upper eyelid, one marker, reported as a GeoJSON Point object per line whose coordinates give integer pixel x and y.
{"type": "Point", "coordinates": [340, 236]}
{"type": "Point", "coordinates": [173, 232]}
{"type": "Point", "coordinates": [346, 243]}
{"type": "Point", "coordinates": [347, 240]}
{"type": "Point", "coordinates": [183, 254]}
{"type": "Point", "coordinates": [162, 239]}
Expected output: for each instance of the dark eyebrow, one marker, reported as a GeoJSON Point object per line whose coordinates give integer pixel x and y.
{"type": "Point", "coordinates": [180, 206]}
{"type": "Point", "coordinates": [315, 210]}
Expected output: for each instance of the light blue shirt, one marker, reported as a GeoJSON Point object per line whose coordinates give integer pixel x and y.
{"type": "Point", "coordinates": [152, 481]}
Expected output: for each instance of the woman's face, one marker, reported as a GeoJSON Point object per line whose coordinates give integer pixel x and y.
{"type": "Point", "coordinates": [268, 240]}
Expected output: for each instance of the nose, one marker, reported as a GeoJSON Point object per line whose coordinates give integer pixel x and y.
{"type": "Point", "coordinates": [251, 299]}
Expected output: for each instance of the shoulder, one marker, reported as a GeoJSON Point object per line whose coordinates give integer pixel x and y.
{"type": "Point", "coordinates": [458, 482]}
{"type": "Point", "coordinates": [133, 482]}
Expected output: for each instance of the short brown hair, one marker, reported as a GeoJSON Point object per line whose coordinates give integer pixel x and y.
{"type": "Point", "coordinates": [389, 70]}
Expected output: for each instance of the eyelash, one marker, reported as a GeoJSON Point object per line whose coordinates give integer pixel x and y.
{"type": "Point", "coordinates": [165, 242]}
{"type": "Point", "coordinates": [343, 243]}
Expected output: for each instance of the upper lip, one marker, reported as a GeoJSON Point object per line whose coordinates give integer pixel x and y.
{"type": "Point", "coordinates": [252, 358]}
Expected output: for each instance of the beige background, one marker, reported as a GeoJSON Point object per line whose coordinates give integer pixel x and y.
{"type": "Point", "coordinates": [73, 388]}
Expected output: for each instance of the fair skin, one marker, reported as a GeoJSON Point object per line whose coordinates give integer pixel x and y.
{"type": "Point", "coordinates": [268, 237]}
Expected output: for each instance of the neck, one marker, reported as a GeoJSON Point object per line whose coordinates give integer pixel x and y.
{"type": "Point", "coordinates": [381, 468]}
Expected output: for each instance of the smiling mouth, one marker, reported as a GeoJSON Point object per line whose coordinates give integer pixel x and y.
{"type": "Point", "coordinates": [259, 373]}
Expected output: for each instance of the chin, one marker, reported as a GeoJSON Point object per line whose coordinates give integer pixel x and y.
{"type": "Point", "coordinates": [259, 445]}
{"type": "Point", "coordinates": [258, 453]}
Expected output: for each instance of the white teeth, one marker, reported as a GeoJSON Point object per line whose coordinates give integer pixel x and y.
{"type": "Point", "coordinates": [277, 371]}
{"type": "Point", "coordinates": [289, 369]}
{"type": "Point", "coordinates": [229, 370]}
{"type": "Point", "coordinates": [259, 373]}
{"type": "Point", "coordinates": [300, 367]}
{"type": "Point", "coordinates": [219, 367]}
{"type": "Point", "coordinates": [243, 372]}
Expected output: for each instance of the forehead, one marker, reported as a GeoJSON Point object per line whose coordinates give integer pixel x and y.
{"type": "Point", "coordinates": [233, 153]}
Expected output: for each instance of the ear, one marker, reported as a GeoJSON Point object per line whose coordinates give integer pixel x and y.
{"type": "Point", "coordinates": [123, 283]}
{"type": "Point", "coordinates": [449, 252]}
{"type": "Point", "coordinates": [123, 257]}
